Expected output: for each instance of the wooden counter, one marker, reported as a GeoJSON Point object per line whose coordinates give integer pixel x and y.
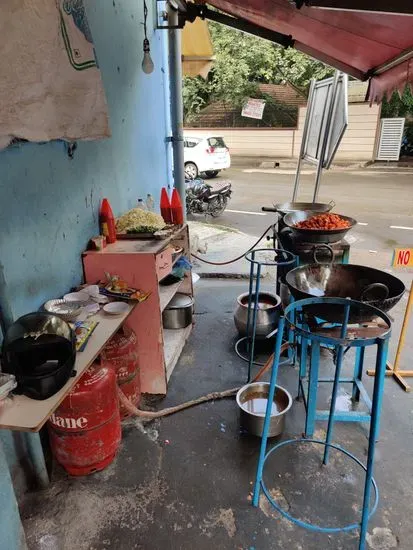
{"type": "Point", "coordinates": [29, 415]}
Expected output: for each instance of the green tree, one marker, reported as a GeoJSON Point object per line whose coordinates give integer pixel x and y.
{"type": "Point", "coordinates": [243, 61]}
{"type": "Point", "coordinates": [399, 105]}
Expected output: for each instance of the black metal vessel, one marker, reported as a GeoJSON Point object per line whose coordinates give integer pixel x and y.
{"type": "Point", "coordinates": [365, 284]}
{"type": "Point", "coordinates": [315, 235]}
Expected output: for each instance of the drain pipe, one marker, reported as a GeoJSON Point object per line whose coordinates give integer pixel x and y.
{"type": "Point", "coordinates": [177, 111]}
{"type": "Point", "coordinates": [32, 440]}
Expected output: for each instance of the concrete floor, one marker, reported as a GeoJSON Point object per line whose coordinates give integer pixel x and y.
{"type": "Point", "coordinates": [184, 482]}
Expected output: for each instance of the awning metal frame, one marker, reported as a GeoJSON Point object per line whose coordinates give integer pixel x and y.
{"type": "Point", "coordinates": [404, 56]}
{"type": "Point", "coordinates": [204, 12]}
{"type": "Point", "coordinates": [396, 7]}
{"type": "Point", "coordinates": [189, 12]}
{"type": "Point", "coordinates": [166, 12]}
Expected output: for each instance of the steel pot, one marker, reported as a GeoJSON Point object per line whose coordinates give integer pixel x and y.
{"type": "Point", "coordinates": [252, 402]}
{"type": "Point", "coordinates": [178, 313]}
{"type": "Point", "coordinates": [268, 313]}
{"type": "Point", "coordinates": [287, 207]}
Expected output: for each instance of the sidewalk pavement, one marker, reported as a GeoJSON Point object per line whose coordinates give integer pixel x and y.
{"type": "Point", "coordinates": [223, 244]}
{"type": "Point", "coordinates": [288, 163]}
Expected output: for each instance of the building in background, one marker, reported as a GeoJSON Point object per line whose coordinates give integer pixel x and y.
{"type": "Point", "coordinates": [359, 142]}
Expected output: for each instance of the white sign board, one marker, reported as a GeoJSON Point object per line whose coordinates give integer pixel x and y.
{"type": "Point", "coordinates": [254, 108]}
{"type": "Point", "coordinates": [326, 98]}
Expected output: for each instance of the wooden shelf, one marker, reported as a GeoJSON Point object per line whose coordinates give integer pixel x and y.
{"type": "Point", "coordinates": [174, 340]}
{"type": "Point", "coordinates": [29, 415]}
{"type": "Point", "coordinates": [167, 292]}
{"type": "Point", "coordinates": [144, 264]}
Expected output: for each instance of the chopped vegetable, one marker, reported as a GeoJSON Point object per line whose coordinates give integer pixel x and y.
{"type": "Point", "coordinates": [139, 221]}
{"type": "Point", "coordinates": [324, 222]}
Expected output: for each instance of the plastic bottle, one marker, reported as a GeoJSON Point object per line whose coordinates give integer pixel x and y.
{"type": "Point", "coordinates": [107, 221]}
{"type": "Point", "coordinates": [141, 205]}
{"type": "Point", "coordinates": [165, 206]}
{"type": "Point", "coordinates": [150, 203]}
{"type": "Point", "coordinates": [176, 208]}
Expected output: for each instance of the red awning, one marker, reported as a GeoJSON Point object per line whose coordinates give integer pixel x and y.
{"type": "Point", "coordinates": [364, 45]}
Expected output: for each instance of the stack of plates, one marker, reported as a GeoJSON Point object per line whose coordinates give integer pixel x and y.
{"type": "Point", "coordinates": [68, 311]}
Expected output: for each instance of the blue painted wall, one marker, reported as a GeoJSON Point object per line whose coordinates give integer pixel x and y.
{"type": "Point", "coordinates": [11, 530]}
{"type": "Point", "coordinates": [49, 203]}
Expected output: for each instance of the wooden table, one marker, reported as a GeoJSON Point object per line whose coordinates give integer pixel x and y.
{"type": "Point", "coordinates": [29, 415]}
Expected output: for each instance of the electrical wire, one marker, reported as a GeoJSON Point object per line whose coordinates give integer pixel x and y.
{"type": "Point", "coordinates": [241, 255]}
{"type": "Point", "coordinates": [145, 17]}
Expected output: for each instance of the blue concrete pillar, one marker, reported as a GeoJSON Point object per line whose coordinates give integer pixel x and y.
{"type": "Point", "coordinates": [11, 529]}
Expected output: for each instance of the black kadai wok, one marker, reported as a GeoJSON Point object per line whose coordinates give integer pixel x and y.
{"type": "Point", "coordinates": [364, 284]}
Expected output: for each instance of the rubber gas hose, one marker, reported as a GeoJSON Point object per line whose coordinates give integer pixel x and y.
{"type": "Point", "coordinates": [241, 255]}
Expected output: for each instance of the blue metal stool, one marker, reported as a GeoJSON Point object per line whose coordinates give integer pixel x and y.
{"type": "Point", "coordinates": [309, 380]}
{"type": "Point", "coordinates": [341, 335]}
{"type": "Point", "coordinates": [258, 258]}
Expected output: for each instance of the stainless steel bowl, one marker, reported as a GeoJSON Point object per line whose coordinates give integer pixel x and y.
{"type": "Point", "coordinates": [268, 313]}
{"type": "Point", "coordinates": [178, 313]}
{"type": "Point", "coordinates": [68, 311]}
{"type": "Point", "coordinates": [252, 402]}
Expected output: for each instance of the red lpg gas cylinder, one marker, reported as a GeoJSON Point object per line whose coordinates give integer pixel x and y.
{"type": "Point", "coordinates": [120, 353]}
{"type": "Point", "coordinates": [85, 430]}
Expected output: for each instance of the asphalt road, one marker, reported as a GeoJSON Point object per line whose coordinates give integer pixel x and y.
{"type": "Point", "coordinates": [382, 202]}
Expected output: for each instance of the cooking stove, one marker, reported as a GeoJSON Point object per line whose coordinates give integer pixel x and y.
{"type": "Point", "coordinates": [305, 252]}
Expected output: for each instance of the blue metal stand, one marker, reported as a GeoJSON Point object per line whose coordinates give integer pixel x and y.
{"type": "Point", "coordinates": [341, 336]}
{"type": "Point", "coordinates": [309, 380]}
{"type": "Point", "coordinates": [258, 258]}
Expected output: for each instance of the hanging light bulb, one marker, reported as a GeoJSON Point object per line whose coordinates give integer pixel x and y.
{"type": "Point", "coordinates": [147, 63]}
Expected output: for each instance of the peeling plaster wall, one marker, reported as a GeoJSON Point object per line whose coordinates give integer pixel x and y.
{"type": "Point", "coordinates": [49, 203]}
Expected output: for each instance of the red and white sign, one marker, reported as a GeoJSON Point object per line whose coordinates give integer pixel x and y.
{"type": "Point", "coordinates": [254, 108]}
{"type": "Point", "coordinates": [403, 257]}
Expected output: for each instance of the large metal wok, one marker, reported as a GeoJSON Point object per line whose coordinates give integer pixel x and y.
{"type": "Point", "coordinates": [365, 284]}
{"type": "Point", "coordinates": [287, 207]}
{"type": "Point", "coordinates": [315, 235]}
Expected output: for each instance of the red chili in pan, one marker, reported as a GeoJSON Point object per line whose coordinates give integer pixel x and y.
{"type": "Point", "coordinates": [324, 222]}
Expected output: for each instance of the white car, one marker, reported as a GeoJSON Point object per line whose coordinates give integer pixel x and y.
{"type": "Point", "coordinates": [205, 154]}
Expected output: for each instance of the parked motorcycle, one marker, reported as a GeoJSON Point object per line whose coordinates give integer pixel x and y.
{"type": "Point", "coordinates": [207, 198]}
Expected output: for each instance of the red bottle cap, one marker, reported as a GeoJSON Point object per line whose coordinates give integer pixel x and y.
{"type": "Point", "coordinates": [165, 206]}
{"type": "Point", "coordinates": [176, 207]}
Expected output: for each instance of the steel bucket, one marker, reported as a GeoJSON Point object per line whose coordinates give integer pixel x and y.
{"type": "Point", "coordinates": [252, 402]}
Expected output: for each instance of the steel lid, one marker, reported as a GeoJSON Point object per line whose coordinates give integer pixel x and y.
{"type": "Point", "coordinates": [180, 301]}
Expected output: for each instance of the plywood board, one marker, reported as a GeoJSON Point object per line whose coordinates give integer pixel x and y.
{"type": "Point", "coordinates": [29, 415]}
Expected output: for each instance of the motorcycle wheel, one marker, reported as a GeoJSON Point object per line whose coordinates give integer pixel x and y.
{"type": "Point", "coordinates": [218, 206]}
{"type": "Point", "coordinates": [211, 173]}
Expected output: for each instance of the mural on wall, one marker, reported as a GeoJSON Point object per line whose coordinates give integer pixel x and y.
{"type": "Point", "coordinates": [77, 35]}
{"type": "Point", "coordinates": [76, 9]}
{"type": "Point", "coordinates": [51, 86]}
